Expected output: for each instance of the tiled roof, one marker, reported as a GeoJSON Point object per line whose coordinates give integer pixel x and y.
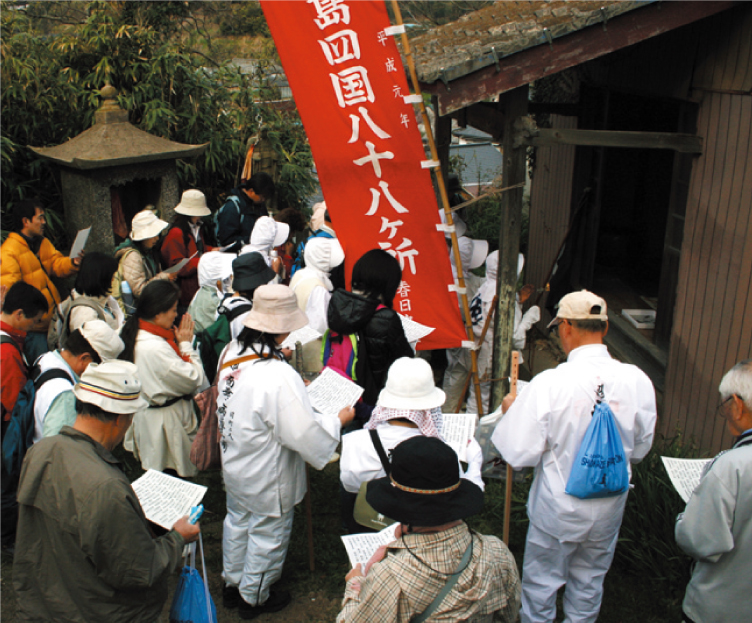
{"type": "Point", "coordinates": [481, 38]}
{"type": "Point", "coordinates": [482, 162]}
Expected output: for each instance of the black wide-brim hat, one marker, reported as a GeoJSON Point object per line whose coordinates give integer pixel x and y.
{"type": "Point", "coordinates": [249, 271]}
{"type": "Point", "coordinates": [424, 487]}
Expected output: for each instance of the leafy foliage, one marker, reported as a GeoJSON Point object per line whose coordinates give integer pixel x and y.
{"type": "Point", "coordinates": [51, 88]}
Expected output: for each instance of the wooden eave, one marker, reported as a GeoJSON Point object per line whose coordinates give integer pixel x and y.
{"type": "Point", "coordinates": [116, 144]}
{"type": "Point", "coordinates": [573, 49]}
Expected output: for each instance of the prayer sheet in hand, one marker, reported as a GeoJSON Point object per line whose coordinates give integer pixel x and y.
{"type": "Point", "coordinates": [331, 392]}
{"type": "Point", "coordinates": [414, 331]}
{"type": "Point", "coordinates": [80, 242]}
{"type": "Point", "coordinates": [458, 430]}
{"type": "Point", "coordinates": [179, 265]}
{"type": "Point", "coordinates": [685, 474]}
{"type": "Point", "coordinates": [303, 335]}
{"type": "Point", "coordinates": [165, 499]}
{"type": "Point", "coordinates": [360, 547]}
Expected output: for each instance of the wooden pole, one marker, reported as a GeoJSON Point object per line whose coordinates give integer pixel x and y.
{"type": "Point", "coordinates": [514, 105]}
{"type": "Point", "coordinates": [479, 343]}
{"type": "Point", "coordinates": [444, 199]}
{"type": "Point", "coordinates": [514, 375]}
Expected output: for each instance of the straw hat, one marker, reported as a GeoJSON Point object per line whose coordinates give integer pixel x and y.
{"type": "Point", "coordinates": [409, 385]}
{"type": "Point", "coordinates": [275, 310]}
{"type": "Point", "coordinates": [579, 306]}
{"type": "Point", "coordinates": [193, 203]}
{"type": "Point", "coordinates": [113, 386]}
{"type": "Point", "coordinates": [424, 487]}
{"type": "Point", "coordinates": [146, 225]}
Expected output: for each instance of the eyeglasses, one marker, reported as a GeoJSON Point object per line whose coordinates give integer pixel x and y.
{"type": "Point", "coordinates": [555, 328]}
{"type": "Point", "coordinates": [720, 411]}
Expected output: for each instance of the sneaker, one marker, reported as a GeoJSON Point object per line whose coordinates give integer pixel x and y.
{"type": "Point", "coordinates": [277, 600]}
{"type": "Point", "coordinates": [230, 597]}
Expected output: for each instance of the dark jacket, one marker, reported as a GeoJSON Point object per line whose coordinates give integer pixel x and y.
{"type": "Point", "coordinates": [84, 551]}
{"type": "Point", "coordinates": [381, 339]}
{"type": "Point", "coordinates": [235, 225]}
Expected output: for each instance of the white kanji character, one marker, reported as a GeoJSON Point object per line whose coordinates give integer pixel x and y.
{"type": "Point", "coordinates": [382, 37]}
{"type": "Point", "coordinates": [376, 196]}
{"type": "Point", "coordinates": [404, 289]}
{"type": "Point", "coordinates": [405, 120]}
{"type": "Point", "coordinates": [397, 90]}
{"type": "Point", "coordinates": [390, 65]}
{"type": "Point", "coordinates": [385, 224]}
{"type": "Point", "coordinates": [405, 306]}
{"type": "Point", "coordinates": [367, 118]}
{"type": "Point", "coordinates": [374, 158]}
{"type": "Point", "coordinates": [330, 12]}
{"type": "Point", "coordinates": [341, 46]}
{"type": "Point", "coordinates": [402, 252]}
{"type": "Point", "coordinates": [352, 86]}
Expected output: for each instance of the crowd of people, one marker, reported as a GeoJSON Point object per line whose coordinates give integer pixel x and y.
{"type": "Point", "coordinates": [183, 305]}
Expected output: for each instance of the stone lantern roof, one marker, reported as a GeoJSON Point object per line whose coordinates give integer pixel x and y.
{"type": "Point", "coordinates": [113, 141]}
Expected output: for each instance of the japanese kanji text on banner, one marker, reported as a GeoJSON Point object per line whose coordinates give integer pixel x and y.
{"type": "Point", "coordinates": [349, 86]}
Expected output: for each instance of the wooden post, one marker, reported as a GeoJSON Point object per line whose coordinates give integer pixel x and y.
{"type": "Point", "coordinates": [465, 306]}
{"type": "Point", "coordinates": [514, 104]}
{"type": "Point", "coordinates": [514, 373]}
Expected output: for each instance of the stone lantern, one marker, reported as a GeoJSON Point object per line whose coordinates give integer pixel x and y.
{"type": "Point", "coordinates": [114, 170]}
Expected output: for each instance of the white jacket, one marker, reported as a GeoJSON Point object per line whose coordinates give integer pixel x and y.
{"type": "Point", "coordinates": [544, 429]}
{"type": "Point", "coordinates": [268, 432]}
{"type": "Point", "coordinates": [161, 437]}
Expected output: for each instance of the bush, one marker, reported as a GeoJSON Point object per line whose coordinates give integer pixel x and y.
{"type": "Point", "coordinates": [647, 546]}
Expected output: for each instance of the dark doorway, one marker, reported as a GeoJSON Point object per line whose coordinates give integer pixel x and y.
{"type": "Point", "coordinates": [129, 199]}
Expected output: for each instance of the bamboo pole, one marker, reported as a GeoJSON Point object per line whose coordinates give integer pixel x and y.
{"type": "Point", "coordinates": [479, 343]}
{"type": "Point", "coordinates": [444, 200]}
{"type": "Point", "coordinates": [513, 376]}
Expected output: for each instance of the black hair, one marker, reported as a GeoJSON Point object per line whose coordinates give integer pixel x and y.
{"type": "Point", "coordinates": [25, 297]}
{"type": "Point", "coordinates": [337, 276]}
{"type": "Point", "coordinates": [158, 296]}
{"type": "Point", "coordinates": [25, 209]}
{"type": "Point", "coordinates": [94, 278]}
{"type": "Point", "coordinates": [293, 218]}
{"type": "Point", "coordinates": [89, 410]}
{"type": "Point", "coordinates": [377, 275]}
{"type": "Point", "coordinates": [248, 338]}
{"type": "Point", "coordinates": [76, 344]}
{"type": "Point", "coordinates": [262, 184]}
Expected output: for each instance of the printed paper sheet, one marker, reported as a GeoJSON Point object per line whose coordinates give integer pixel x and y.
{"type": "Point", "coordinates": [360, 547]}
{"type": "Point", "coordinates": [685, 474]}
{"type": "Point", "coordinates": [414, 331]}
{"type": "Point", "coordinates": [80, 242]}
{"type": "Point", "coordinates": [331, 392]}
{"type": "Point", "coordinates": [459, 429]}
{"type": "Point", "coordinates": [179, 265]}
{"type": "Point", "coordinates": [304, 335]}
{"type": "Point", "coordinates": [164, 498]}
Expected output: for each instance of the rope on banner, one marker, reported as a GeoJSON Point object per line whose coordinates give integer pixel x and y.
{"type": "Point", "coordinates": [442, 191]}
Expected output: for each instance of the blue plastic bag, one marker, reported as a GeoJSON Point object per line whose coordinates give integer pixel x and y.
{"type": "Point", "coordinates": [192, 602]}
{"type": "Point", "coordinates": [600, 468]}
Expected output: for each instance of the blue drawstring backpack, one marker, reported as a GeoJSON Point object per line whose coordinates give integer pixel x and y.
{"type": "Point", "coordinates": [600, 468]}
{"type": "Point", "coordinates": [192, 602]}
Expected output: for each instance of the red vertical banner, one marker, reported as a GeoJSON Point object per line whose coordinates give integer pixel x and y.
{"type": "Point", "coordinates": [350, 89]}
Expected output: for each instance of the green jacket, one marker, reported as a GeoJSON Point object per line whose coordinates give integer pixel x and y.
{"type": "Point", "coordinates": [84, 551]}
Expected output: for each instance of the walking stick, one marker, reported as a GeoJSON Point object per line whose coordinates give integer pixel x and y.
{"type": "Point", "coordinates": [307, 499]}
{"type": "Point", "coordinates": [513, 375]}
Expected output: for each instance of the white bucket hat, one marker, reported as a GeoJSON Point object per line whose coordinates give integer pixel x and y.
{"type": "Point", "coordinates": [472, 252]}
{"type": "Point", "coordinates": [146, 225]}
{"type": "Point", "coordinates": [323, 254]}
{"type": "Point", "coordinates": [103, 339]}
{"type": "Point", "coordinates": [459, 225]}
{"type": "Point", "coordinates": [112, 386]}
{"type": "Point", "coordinates": [409, 385]}
{"type": "Point", "coordinates": [214, 266]}
{"type": "Point", "coordinates": [193, 203]}
{"type": "Point", "coordinates": [275, 310]}
{"type": "Point", "coordinates": [582, 305]}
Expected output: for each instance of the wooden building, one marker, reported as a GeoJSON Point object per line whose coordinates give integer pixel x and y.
{"type": "Point", "coordinates": [660, 218]}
